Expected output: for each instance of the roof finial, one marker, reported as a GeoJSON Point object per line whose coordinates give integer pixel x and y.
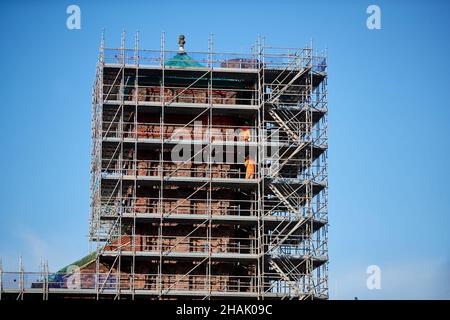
{"type": "Point", "coordinates": [181, 43]}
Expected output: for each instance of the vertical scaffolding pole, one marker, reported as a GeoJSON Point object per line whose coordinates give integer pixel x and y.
{"type": "Point", "coordinates": [134, 165]}
{"type": "Point", "coordinates": [161, 164]}
{"type": "Point", "coordinates": [209, 192]}
{"type": "Point", "coordinates": [259, 281]}
{"type": "Point", "coordinates": [1, 278]}
{"type": "Point", "coordinates": [21, 279]}
{"type": "Point", "coordinates": [96, 187]}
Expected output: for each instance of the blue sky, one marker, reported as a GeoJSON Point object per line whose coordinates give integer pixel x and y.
{"type": "Point", "coordinates": [389, 132]}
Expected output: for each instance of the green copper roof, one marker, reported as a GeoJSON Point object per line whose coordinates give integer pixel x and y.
{"type": "Point", "coordinates": [182, 59]}
{"type": "Point", "coordinates": [82, 262]}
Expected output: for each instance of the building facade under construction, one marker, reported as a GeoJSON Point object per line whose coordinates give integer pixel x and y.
{"type": "Point", "coordinates": [208, 178]}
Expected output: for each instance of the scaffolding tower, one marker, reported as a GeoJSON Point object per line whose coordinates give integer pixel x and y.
{"type": "Point", "coordinates": [208, 175]}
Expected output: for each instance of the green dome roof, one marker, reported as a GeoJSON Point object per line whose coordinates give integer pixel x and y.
{"type": "Point", "coordinates": [182, 59]}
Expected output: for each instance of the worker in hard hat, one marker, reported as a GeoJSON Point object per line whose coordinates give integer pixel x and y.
{"type": "Point", "coordinates": [249, 167]}
{"type": "Point", "coordinates": [245, 133]}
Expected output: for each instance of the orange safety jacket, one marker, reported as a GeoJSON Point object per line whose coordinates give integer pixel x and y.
{"type": "Point", "coordinates": [250, 165]}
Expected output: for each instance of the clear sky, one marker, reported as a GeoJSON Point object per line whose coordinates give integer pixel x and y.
{"type": "Point", "coordinates": [389, 124]}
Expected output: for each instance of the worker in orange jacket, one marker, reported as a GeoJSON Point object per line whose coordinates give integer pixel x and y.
{"type": "Point", "coordinates": [245, 133]}
{"type": "Point", "coordinates": [249, 168]}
